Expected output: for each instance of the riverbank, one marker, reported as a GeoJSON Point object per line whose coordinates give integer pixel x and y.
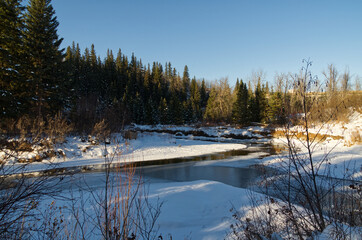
{"type": "Point", "coordinates": [198, 209]}
{"type": "Point", "coordinates": [146, 147]}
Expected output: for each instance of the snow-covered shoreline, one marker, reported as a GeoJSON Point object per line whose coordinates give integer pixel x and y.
{"type": "Point", "coordinates": [163, 142]}
{"type": "Point", "coordinates": [147, 147]}
{"type": "Point", "coordinates": [201, 209]}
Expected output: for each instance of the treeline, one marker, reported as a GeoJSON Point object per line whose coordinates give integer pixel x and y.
{"type": "Point", "coordinates": [124, 90]}
{"type": "Point", "coordinates": [39, 80]}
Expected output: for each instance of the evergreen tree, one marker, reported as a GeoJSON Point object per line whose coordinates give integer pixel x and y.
{"type": "Point", "coordinates": [237, 85]}
{"type": "Point", "coordinates": [86, 80]}
{"type": "Point", "coordinates": [258, 104]}
{"type": "Point", "coordinates": [187, 111]}
{"type": "Point", "coordinates": [77, 65]}
{"type": "Point", "coordinates": [121, 68]}
{"type": "Point", "coordinates": [210, 114]}
{"type": "Point", "coordinates": [156, 82]}
{"type": "Point", "coordinates": [44, 68]}
{"type": "Point", "coordinates": [263, 103]}
{"type": "Point", "coordinates": [195, 100]}
{"type": "Point", "coordinates": [11, 81]}
{"type": "Point", "coordinates": [240, 113]}
{"type": "Point", "coordinates": [138, 109]}
{"type": "Point", "coordinates": [163, 110]}
{"type": "Point", "coordinates": [276, 112]}
{"type": "Point", "coordinates": [69, 74]}
{"type": "Point", "coordinates": [108, 79]}
{"type": "Point", "coordinates": [152, 112]}
{"type": "Point", "coordinates": [185, 84]}
{"type": "Point", "coordinates": [175, 110]}
{"type": "Point", "coordinates": [203, 95]}
{"type": "Point", "coordinates": [253, 109]}
{"type": "Point", "coordinates": [235, 90]}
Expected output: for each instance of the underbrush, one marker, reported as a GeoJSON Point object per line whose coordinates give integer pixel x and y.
{"type": "Point", "coordinates": [30, 140]}
{"type": "Point", "coordinates": [337, 106]}
{"type": "Point", "coordinates": [306, 200]}
{"type": "Point", "coordinates": [278, 133]}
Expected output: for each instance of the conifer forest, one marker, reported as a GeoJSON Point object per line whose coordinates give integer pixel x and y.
{"type": "Point", "coordinates": [39, 79]}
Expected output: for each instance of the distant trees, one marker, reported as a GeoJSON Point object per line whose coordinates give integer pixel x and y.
{"type": "Point", "coordinates": [37, 78]}
{"type": "Point", "coordinates": [358, 83]}
{"type": "Point", "coordinates": [345, 81]}
{"type": "Point", "coordinates": [297, 203]}
{"type": "Point", "coordinates": [40, 80]}
{"type": "Point", "coordinates": [195, 99]}
{"type": "Point", "coordinates": [219, 104]}
{"type": "Point", "coordinates": [331, 76]}
{"type": "Point", "coordinates": [241, 111]}
{"type": "Point", "coordinates": [139, 93]}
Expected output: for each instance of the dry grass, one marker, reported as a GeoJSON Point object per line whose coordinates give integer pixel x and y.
{"type": "Point", "coordinates": [302, 136]}
{"type": "Point", "coordinates": [354, 138]}
{"type": "Point", "coordinates": [336, 107]}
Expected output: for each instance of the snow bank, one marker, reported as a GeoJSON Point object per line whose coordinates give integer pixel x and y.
{"type": "Point", "coordinates": [197, 210]}
{"type": "Point", "coordinates": [218, 131]}
{"type": "Point", "coordinates": [344, 153]}
{"type": "Point", "coordinates": [147, 147]}
{"type": "Point", "coordinates": [350, 133]}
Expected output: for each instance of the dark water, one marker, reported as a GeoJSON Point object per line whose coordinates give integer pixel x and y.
{"type": "Point", "coordinates": [184, 172]}
{"type": "Point", "coordinates": [205, 157]}
{"type": "Point", "coordinates": [206, 167]}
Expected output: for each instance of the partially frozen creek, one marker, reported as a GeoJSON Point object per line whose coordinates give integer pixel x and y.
{"type": "Point", "coordinates": [237, 168]}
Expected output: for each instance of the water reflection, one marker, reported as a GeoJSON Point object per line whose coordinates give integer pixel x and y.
{"type": "Point", "coordinates": [237, 177]}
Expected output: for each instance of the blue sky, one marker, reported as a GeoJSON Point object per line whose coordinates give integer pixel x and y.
{"type": "Point", "coordinates": [222, 38]}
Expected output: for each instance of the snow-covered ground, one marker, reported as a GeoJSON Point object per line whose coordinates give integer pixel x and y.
{"type": "Point", "coordinates": [343, 147]}
{"type": "Point", "coordinates": [218, 132]}
{"type": "Point", "coordinates": [200, 209]}
{"type": "Point", "coordinates": [197, 210]}
{"type": "Point", "coordinates": [147, 147]}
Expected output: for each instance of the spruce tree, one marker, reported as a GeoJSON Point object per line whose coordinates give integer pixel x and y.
{"type": "Point", "coordinates": [263, 102]}
{"type": "Point", "coordinates": [203, 95]}
{"type": "Point", "coordinates": [121, 75]}
{"type": "Point", "coordinates": [210, 113]}
{"type": "Point", "coordinates": [195, 100]}
{"type": "Point", "coordinates": [175, 110]}
{"type": "Point", "coordinates": [254, 109]}
{"type": "Point", "coordinates": [11, 81]}
{"type": "Point", "coordinates": [108, 79]}
{"type": "Point", "coordinates": [276, 112]}
{"type": "Point", "coordinates": [240, 113]}
{"type": "Point", "coordinates": [44, 69]}
{"type": "Point", "coordinates": [185, 84]}
{"type": "Point", "coordinates": [163, 110]}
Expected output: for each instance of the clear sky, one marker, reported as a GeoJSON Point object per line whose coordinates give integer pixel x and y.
{"type": "Point", "coordinates": [224, 38]}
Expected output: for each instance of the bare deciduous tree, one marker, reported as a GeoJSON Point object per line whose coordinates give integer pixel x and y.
{"type": "Point", "coordinates": [358, 83]}
{"type": "Point", "coordinates": [219, 105]}
{"type": "Point", "coordinates": [345, 81]}
{"type": "Point", "coordinates": [20, 193]}
{"type": "Point", "coordinates": [257, 77]}
{"type": "Point", "coordinates": [305, 195]}
{"type": "Point", "coordinates": [331, 76]}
